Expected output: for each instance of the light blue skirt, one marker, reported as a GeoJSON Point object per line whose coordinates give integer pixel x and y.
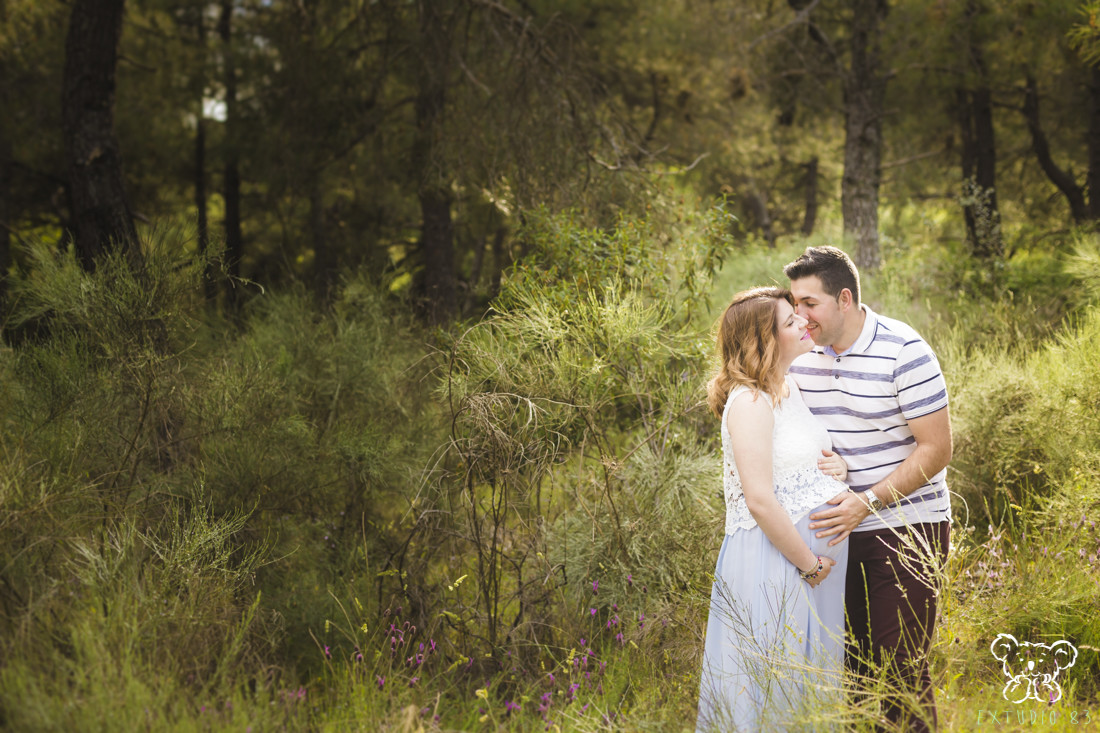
{"type": "Point", "coordinates": [774, 649]}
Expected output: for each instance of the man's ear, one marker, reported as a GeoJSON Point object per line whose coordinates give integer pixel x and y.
{"type": "Point", "coordinates": [845, 300]}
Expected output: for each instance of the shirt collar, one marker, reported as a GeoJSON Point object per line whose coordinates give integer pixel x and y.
{"type": "Point", "coordinates": [863, 341]}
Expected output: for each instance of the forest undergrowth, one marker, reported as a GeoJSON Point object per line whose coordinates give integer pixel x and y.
{"type": "Point", "coordinates": [330, 518]}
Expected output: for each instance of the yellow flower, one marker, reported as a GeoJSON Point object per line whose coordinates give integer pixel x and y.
{"type": "Point", "coordinates": [483, 693]}
{"type": "Point", "coordinates": [364, 628]}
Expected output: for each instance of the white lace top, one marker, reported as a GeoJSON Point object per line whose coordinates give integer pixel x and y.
{"type": "Point", "coordinates": [797, 441]}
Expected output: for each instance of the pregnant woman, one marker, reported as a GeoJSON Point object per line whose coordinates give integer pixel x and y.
{"type": "Point", "coordinates": [774, 639]}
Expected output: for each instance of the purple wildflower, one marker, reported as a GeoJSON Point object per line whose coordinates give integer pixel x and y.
{"type": "Point", "coordinates": [571, 693]}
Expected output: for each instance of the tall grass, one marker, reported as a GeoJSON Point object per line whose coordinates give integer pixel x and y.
{"type": "Point", "coordinates": [177, 495]}
{"type": "Point", "coordinates": [337, 520]}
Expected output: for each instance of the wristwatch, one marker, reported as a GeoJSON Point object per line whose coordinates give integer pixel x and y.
{"type": "Point", "coordinates": [874, 503]}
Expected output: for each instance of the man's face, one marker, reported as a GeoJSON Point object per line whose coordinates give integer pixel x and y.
{"type": "Point", "coordinates": [825, 320]}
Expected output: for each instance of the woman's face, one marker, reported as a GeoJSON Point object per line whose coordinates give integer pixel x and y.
{"type": "Point", "coordinates": [790, 330]}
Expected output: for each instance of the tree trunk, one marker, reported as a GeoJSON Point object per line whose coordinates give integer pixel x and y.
{"type": "Point", "coordinates": [967, 159]}
{"type": "Point", "coordinates": [758, 204]}
{"type": "Point", "coordinates": [1094, 145]}
{"type": "Point", "coordinates": [498, 260]}
{"type": "Point", "coordinates": [979, 169]}
{"type": "Point", "coordinates": [1074, 194]}
{"type": "Point", "coordinates": [231, 184]}
{"type": "Point", "coordinates": [6, 211]}
{"type": "Point", "coordinates": [437, 282]}
{"type": "Point", "coordinates": [437, 254]}
{"type": "Point", "coordinates": [101, 213]}
{"type": "Point", "coordinates": [810, 218]}
{"type": "Point", "coordinates": [475, 276]}
{"type": "Point", "coordinates": [209, 289]}
{"type": "Point", "coordinates": [324, 265]}
{"type": "Point", "coordinates": [7, 207]}
{"type": "Point", "coordinates": [208, 286]}
{"type": "Point", "coordinates": [988, 243]}
{"type": "Point", "coordinates": [864, 91]}
{"type": "Point", "coordinates": [979, 196]}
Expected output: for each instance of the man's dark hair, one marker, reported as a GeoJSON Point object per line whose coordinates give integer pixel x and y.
{"type": "Point", "coordinates": [832, 266]}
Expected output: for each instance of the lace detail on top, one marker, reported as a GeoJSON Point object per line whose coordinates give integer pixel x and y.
{"type": "Point", "coordinates": [797, 441]}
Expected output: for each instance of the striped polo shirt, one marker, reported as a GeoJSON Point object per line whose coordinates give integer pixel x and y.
{"type": "Point", "coordinates": [865, 397]}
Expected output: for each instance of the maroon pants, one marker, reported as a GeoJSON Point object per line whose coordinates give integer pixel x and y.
{"type": "Point", "coordinates": [891, 608]}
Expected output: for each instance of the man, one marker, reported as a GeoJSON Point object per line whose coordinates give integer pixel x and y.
{"type": "Point", "coordinates": [878, 388]}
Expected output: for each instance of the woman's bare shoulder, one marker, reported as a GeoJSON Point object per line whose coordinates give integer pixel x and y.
{"type": "Point", "coordinates": [749, 406]}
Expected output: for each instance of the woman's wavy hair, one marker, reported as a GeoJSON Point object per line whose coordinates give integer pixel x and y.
{"type": "Point", "coordinates": [747, 347]}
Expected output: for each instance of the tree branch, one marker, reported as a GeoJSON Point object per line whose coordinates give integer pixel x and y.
{"type": "Point", "coordinates": [912, 158]}
{"type": "Point", "coordinates": [800, 18]}
{"type": "Point", "coordinates": [683, 170]}
{"type": "Point", "coordinates": [1060, 178]}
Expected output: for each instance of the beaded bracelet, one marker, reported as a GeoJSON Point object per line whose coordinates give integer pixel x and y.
{"type": "Point", "coordinates": [812, 574]}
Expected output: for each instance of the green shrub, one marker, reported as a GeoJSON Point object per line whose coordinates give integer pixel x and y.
{"type": "Point", "coordinates": [180, 496]}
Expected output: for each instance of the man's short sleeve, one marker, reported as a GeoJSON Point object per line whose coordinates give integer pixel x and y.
{"type": "Point", "coordinates": [919, 380]}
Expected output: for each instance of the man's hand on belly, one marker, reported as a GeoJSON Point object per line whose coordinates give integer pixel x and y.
{"type": "Point", "coordinates": [847, 512]}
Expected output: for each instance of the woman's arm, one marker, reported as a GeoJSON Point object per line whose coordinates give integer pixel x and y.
{"type": "Point", "coordinates": [750, 423]}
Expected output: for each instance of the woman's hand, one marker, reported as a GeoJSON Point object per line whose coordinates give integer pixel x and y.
{"type": "Point", "coordinates": [832, 465]}
{"type": "Point", "coordinates": [827, 564]}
